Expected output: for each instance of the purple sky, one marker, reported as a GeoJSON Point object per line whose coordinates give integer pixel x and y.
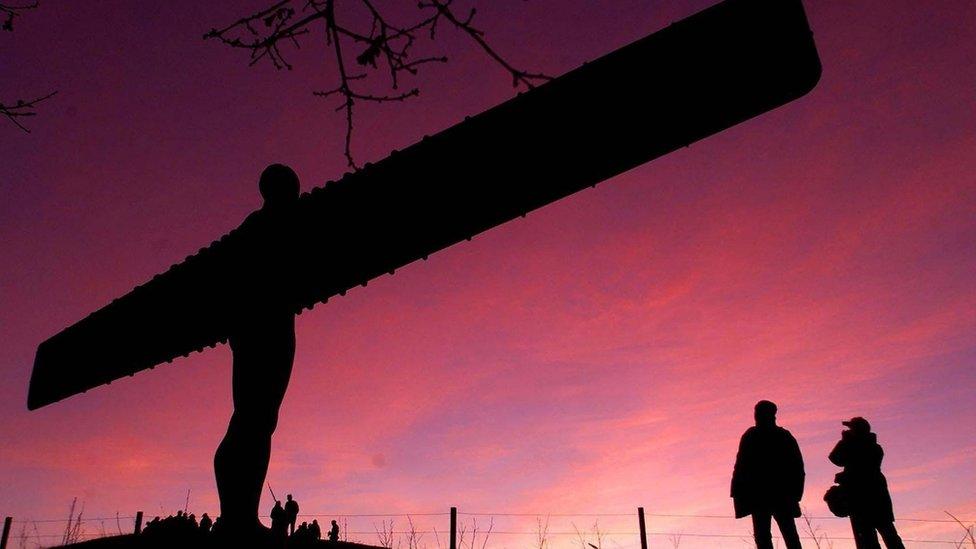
{"type": "Point", "coordinates": [601, 354]}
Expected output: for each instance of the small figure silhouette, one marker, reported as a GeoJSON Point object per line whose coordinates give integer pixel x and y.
{"type": "Point", "coordinates": [865, 486]}
{"type": "Point", "coordinates": [301, 533]}
{"type": "Point", "coordinates": [205, 523]}
{"type": "Point", "coordinates": [263, 346]}
{"type": "Point", "coordinates": [279, 521]}
{"type": "Point", "coordinates": [334, 532]}
{"type": "Point", "coordinates": [291, 508]}
{"type": "Point", "coordinates": [314, 530]}
{"type": "Point", "coordinates": [151, 527]}
{"type": "Point", "coordinates": [767, 481]}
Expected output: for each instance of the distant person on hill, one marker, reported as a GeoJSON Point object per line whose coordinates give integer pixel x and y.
{"type": "Point", "coordinates": [866, 488]}
{"type": "Point", "coordinates": [279, 521]}
{"type": "Point", "coordinates": [314, 530]}
{"type": "Point", "coordinates": [151, 526]}
{"type": "Point", "coordinates": [291, 510]}
{"type": "Point", "coordinates": [334, 532]}
{"type": "Point", "coordinates": [205, 523]}
{"type": "Point", "coordinates": [767, 481]}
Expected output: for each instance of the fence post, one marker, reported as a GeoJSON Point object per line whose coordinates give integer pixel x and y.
{"type": "Point", "coordinates": [453, 527]}
{"type": "Point", "coordinates": [138, 522]}
{"type": "Point", "coordinates": [6, 532]}
{"type": "Point", "coordinates": [643, 528]}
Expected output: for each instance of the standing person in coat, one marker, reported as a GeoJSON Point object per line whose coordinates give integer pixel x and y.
{"type": "Point", "coordinates": [291, 512]}
{"type": "Point", "coordinates": [767, 481]}
{"type": "Point", "coordinates": [859, 453]}
{"type": "Point", "coordinates": [205, 523]}
{"type": "Point", "coordinates": [279, 522]}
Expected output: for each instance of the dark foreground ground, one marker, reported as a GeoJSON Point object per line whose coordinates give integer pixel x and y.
{"type": "Point", "coordinates": [132, 541]}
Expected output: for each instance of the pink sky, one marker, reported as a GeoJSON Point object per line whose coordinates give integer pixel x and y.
{"type": "Point", "coordinates": [601, 354]}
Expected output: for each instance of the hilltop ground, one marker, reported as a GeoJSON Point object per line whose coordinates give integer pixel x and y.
{"type": "Point", "coordinates": [132, 541]}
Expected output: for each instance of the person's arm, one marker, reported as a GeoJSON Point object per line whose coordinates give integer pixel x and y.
{"type": "Point", "coordinates": [741, 463]}
{"type": "Point", "coordinates": [878, 456]}
{"type": "Point", "coordinates": [799, 474]}
{"type": "Point", "coordinates": [838, 456]}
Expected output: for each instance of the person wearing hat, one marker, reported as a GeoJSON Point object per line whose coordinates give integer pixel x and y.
{"type": "Point", "coordinates": [859, 453]}
{"type": "Point", "coordinates": [767, 481]}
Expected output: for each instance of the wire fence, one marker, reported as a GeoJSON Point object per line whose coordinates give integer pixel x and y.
{"type": "Point", "coordinates": [538, 530]}
{"type": "Point", "coordinates": [503, 514]}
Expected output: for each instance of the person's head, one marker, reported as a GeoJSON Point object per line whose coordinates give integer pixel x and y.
{"type": "Point", "coordinates": [315, 522]}
{"type": "Point", "coordinates": [289, 497]}
{"type": "Point", "coordinates": [857, 425]}
{"type": "Point", "coordinates": [278, 185]}
{"type": "Point", "coordinates": [334, 523]}
{"type": "Point", "coordinates": [765, 413]}
{"type": "Point", "coordinates": [277, 503]}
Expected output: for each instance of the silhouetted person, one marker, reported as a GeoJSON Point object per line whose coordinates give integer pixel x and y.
{"type": "Point", "coordinates": [314, 530]}
{"type": "Point", "coordinates": [334, 532]}
{"type": "Point", "coordinates": [866, 488]}
{"type": "Point", "coordinates": [205, 523]}
{"type": "Point", "coordinates": [291, 509]}
{"type": "Point", "coordinates": [768, 478]}
{"type": "Point", "coordinates": [152, 527]}
{"type": "Point", "coordinates": [279, 521]}
{"type": "Point", "coordinates": [301, 534]}
{"type": "Point", "coordinates": [262, 340]}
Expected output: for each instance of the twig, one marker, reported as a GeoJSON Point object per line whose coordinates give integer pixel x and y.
{"type": "Point", "coordinates": [519, 77]}
{"type": "Point", "coordinates": [970, 535]}
{"type": "Point", "coordinates": [541, 532]}
{"type": "Point", "coordinates": [9, 11]}
{"type": "Point", "coordinates": [385, 46]}
{"type": "Point", "coordinates": [22, 109]}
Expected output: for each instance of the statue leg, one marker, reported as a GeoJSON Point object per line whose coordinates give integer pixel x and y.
{"type": "Point", "coordinates": [263, 360]}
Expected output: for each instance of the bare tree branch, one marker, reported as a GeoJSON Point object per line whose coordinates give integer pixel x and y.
{"type": "Point", "coordinates": [970, 535]}
{"type": "Point", "coordinates": [22, 109]}
{"type": "Point", "coordinates": [380, 45]}
{"type": "Point", "coordinates": [10, 11]}
{"type": "Point", "coordinates": [519, 77]}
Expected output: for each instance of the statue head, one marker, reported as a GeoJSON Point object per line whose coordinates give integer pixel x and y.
{"type": "Point", "coordinates": [278, 185]}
